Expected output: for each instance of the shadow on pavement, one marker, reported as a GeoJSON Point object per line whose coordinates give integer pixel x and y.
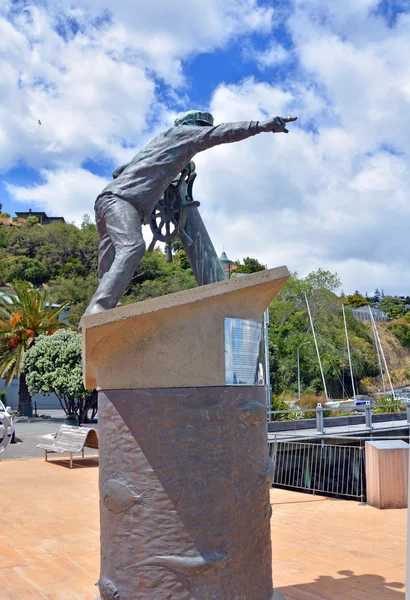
{"type": "Point", "coordinates": [348, 585]}
{"type": "Point", "coordinates": [78, 462]}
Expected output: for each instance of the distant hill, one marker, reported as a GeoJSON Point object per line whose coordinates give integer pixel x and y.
{"type": "Point", "coordinates": [64, 258]}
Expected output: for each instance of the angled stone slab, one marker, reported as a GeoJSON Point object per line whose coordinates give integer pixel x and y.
{"type": "Point", "coordinates": [173, 341]}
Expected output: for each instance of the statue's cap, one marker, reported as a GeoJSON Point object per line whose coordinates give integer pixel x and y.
{"type": "Point", "coordinates": [194, 116]}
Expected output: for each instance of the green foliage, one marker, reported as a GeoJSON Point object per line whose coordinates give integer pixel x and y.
{"type": "Point", "coordinates": [64, 259]}
{"type": "Point", "coordinates": [401, 329]}
{"type": "Point", "coordinates": [54, 365]}
{"type": "Point", "coordinates": [387, 404]}
{"type": "Point", "coordinates": [156, 277]}
{"type": "Point", "coordinates": [31, 221]}
{"type": "Point", "coordinates": [393, 306]}
{"type": "Point", "coordinates": [355, 300]}
{"type": "Point", "coordinates": [3, 236]}
{"type": "Point", "coordinates": [62, 247]}
{"type": "Point", "coordinates": [3, 395]}
{"type": "Point", "coordinates": [24, 315]}
{"type": "Point", "coordinates": [249, 265]}
{"type": "Point", "coordinates": [21, 268]}
{"type": "Point", "coordinates": [290, 327]}
{"type": "Point", "coordinates": [74, 291]}
{"type": "Point", "coordinates": [279, 404]}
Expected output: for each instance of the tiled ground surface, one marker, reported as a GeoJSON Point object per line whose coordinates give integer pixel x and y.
{"type": "Point", "coordinates": [323, 549]}
{"type": "Point", "coordinates": [336, 549]}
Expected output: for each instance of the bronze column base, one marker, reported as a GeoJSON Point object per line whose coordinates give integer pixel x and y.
{"type": "Point", "coordinates": [184, 488]}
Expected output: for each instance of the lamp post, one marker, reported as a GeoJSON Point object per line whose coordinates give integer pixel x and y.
{"type": "Point", "coordinates": [298, 355]}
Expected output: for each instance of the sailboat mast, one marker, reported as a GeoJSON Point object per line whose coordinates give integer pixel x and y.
{"type": "Point", "coordinates": [317, 348]}
{"type": "Point", "coordinates": [377, 348]}
{"type": "Point", "coordinates": [382, 353]}
{"type": "Point", "coordinates": [348, 352]}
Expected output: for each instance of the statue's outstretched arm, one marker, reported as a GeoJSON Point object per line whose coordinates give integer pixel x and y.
{"type": "Point", "coordinates": [203, 138]}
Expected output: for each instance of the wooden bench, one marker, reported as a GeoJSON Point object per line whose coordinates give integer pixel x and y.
{"type": "Point", "coordinates": [73, 440]}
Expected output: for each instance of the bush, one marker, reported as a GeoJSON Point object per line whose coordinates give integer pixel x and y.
{"type": "Point", "coordinates": [3, 397]}
{"type": "Point", "coordinates": [401, 329]}
{"type": "Point", "coordinates": [54, 365]}
{"type": "Point", "coordinates": [278, 403]}
{"type": "Point", "coordinates": [387, 404]}
{"type": "Point", "coordinates": [311, 401]}
{"type": "Point", "coordinates": [21, 268]}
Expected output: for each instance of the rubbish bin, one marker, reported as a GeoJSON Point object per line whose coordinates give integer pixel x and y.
{"type": "Point", "coordinates": [28, 410]}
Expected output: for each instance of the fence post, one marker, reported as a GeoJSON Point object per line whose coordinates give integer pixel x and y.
{"type": "Point", "coordinates": [368, 416]}
{"type": "Point", "coordinates": [319, 418]}
{"type": "Point", "coordinates": [362, 471]}
{"type": "Point", "coordinates": [407, 403]}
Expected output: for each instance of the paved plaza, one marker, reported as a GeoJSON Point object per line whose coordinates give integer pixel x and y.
{"type": "Point", "coordinates": [30, 433]}
{"type": "Point", "coordinates": [324, 549]}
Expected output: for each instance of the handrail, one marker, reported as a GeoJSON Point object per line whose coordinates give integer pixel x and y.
{"type": "Point", "coordinates": [339, 408]}
{"type": "Point", "coordinates": [367, 411]}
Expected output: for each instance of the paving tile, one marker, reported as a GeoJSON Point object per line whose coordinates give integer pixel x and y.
{"type": "Point", "coordinates": [323, 549]}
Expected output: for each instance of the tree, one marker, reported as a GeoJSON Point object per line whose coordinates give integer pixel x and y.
{"type": "Point", "coordinates": [356, 300]}
{"type": "Point", "coordinates": [25, 313]}
{"type": "Point", "coordinates": [393, 306]}
{"type": "Point", "coordinates": [75, 292]}
{"type": "Point", "coordinates": [54, 365]}
{"type": "Point", "coordinates": [290, 327]}
{"type": "Point", "coordinates": [32, 221]}
{"type": "Point", "coordinates": [21, 268]}
{"type": "Point", "coordinates": [249, 265]}
{"type": "Point", "coordinates": [156, 277]}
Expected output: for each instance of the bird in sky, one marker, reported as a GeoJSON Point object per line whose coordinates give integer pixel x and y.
{"type": "Point", "coordinates": [38, 121]}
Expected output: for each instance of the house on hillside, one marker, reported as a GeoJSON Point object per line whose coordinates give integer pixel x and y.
{"type": "Point", "coordinates": [362, 314]}
{"type": "Point", "coordinates": [43, 219]}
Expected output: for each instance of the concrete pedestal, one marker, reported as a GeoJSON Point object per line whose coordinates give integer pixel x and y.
{"type": "Point", "coordinates": [387, 473]}
{"type": "Point", "coordinates": [184, 468]}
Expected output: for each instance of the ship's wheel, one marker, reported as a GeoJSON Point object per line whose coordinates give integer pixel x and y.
{"type": "Point", "coordinates": [169, 216]}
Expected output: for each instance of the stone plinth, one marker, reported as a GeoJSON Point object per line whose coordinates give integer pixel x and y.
{"type": "Point", "coordinates": [184, 465]}
{"type": "Point", "coordinates": [175, 340]}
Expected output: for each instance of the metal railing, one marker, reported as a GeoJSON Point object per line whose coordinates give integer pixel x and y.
{"type": "Point", "coordinates": [320, 413]}
{"type": "Point", "coordinates": [315, 467]}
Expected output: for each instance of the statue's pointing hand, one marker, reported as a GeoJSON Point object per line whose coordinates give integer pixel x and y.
{"type": "Point", "coordinates": [276, 124]}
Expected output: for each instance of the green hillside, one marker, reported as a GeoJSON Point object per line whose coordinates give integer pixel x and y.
{"type": "Point", "coordinates": [63, 258]}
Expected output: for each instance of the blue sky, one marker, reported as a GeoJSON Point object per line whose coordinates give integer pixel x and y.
{"type": "Point", "coordinates": [104, 78]}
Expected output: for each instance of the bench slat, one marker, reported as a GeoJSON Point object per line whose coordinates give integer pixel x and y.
{"type": "Point", "coordinates": [72, 439]}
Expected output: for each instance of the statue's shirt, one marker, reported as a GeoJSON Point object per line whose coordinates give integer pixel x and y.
{"type": "Point", "coordinates": [146, 177]}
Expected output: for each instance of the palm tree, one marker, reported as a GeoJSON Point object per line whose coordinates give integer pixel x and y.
{"type": "Point", "coordinates": [25, 313]}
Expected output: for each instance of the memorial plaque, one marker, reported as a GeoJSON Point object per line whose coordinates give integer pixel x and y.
{"type": "Point", "coordinates": [242, 351]}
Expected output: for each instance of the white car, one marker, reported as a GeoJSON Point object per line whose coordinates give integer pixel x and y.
{"type": "Point", "coordinates": [5, 411]}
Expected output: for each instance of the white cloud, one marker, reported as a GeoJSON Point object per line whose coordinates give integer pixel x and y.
{"type": "Point", "coordinates": [332, 194]}
{"type": "Point", "coordinates": [95, 91]}
{"type": "Point", "coordinates": [307, 200]}
{"type": "Point", "coordinates": [68, 193]}
{"type": "Point", "coordinates": [165, 32]}
{"type": "Point", "coordinates": [274, 54]}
